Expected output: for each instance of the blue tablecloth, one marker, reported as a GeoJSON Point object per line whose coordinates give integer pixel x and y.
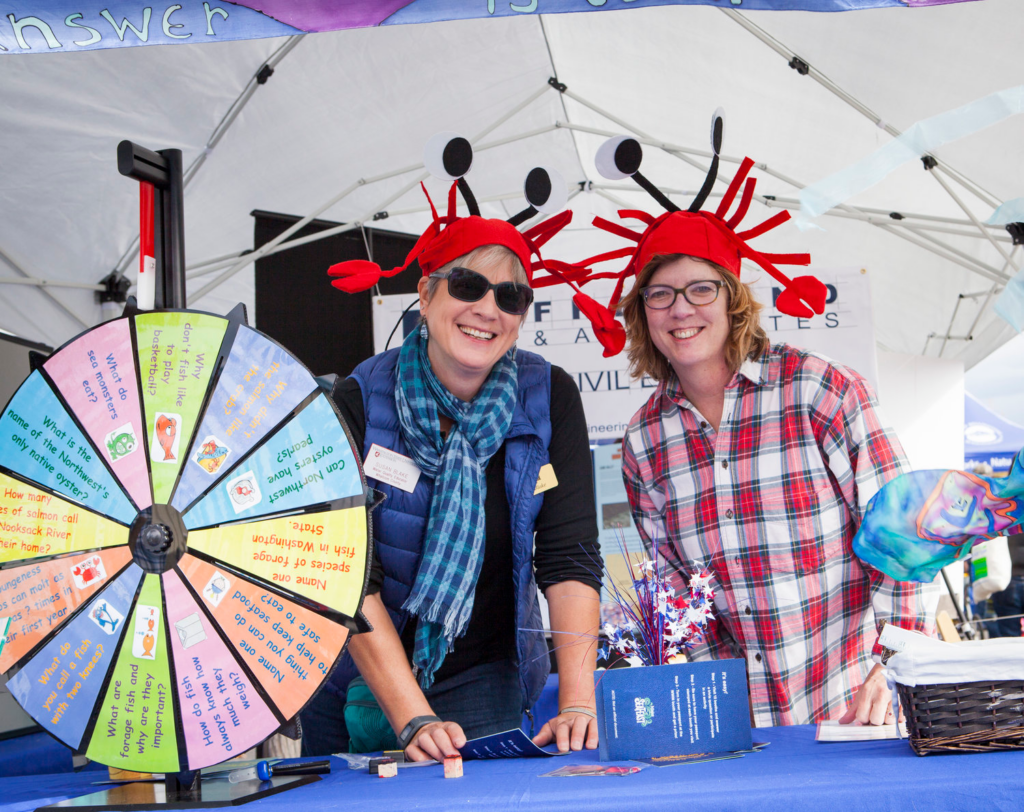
{"type": "Point", "coordinates": [793, 773]}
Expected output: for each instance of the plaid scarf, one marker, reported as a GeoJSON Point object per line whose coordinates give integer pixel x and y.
{"type": "Point", "coordinates": [453, 549]}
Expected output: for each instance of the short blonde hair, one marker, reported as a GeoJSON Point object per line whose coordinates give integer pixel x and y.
{"type": "Point", "coordinates": [483, 254]}
{"type": "Point", "coordinates": [747, 339]}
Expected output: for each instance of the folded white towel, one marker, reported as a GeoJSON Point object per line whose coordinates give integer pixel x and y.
{"type": "Point", "coordinates": [922, 660]}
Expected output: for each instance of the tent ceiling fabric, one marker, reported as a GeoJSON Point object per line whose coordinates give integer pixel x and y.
{"type": "Point", "coordinates": [352, 104]}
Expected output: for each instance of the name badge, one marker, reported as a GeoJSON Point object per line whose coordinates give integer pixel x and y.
{"type": "Point", "coordinates": [546, 479]}
{"type": "Point", "coordinates": [388, 466]}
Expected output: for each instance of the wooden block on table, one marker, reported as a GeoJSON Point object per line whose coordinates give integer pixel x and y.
{"type": "Point", "coordinates": [946, 627]}
{"type": "Point", "coordinates": [453, 767]}
{"type": "Point", "coordinates": [388, 768]}
{"type": "Point", "coordinates": [377, 763]}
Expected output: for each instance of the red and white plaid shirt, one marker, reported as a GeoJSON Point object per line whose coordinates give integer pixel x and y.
{"type": "Point", "coordinates": [771, 504]}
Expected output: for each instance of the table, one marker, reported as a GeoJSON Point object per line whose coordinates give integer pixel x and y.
{"type": "Point", "coordinates": [793, 773]}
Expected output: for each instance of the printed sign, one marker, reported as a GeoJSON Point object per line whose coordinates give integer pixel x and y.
{"type": "Point", "coordinates": [40, 441]}
{"type": "Point", "coordinates": [88, 571]}
{"type": "Point", "coordinates": [106, 616]}
{"type": "Point", "coordinates": [190, 630]}
{"type": "Point", "coordinates": [319, 555]}
{"type": "Point", "coordinates": [211, 454]}
{"type": "Point", "coordinates": [147, 628]}
{"type": "Point", "coordinates": [96, 375]}
{"type": "Point", "coordinates": [260, 385]}
{"type": "Point", "coordinates": [845, 332]}
{"type": "Point", "coordinates": [556, 330]}
{"type": "Point", "coordinates": [289, 648]}
{"type": "Point", "coordinates": [137, 722]}
{"type": "Point", "coordinates": [35, 523]}
{"type": "Point", "coordinates": [216, 588]}
{"type": "Point", "coordinates": [221, 713]}
{"type": "Point", "coordinates": [244, 492]}
{"type": "Point", "coordinates": [177, 356]}
{"type": "Point", "coordinates": [58, 687]}
{"type": "Point", "coordinates": [308, 461]}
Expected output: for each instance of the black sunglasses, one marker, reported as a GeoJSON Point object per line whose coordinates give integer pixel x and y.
{"type": "Point", "coordinates": [470, 286]}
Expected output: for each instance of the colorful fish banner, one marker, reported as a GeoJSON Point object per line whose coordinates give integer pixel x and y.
{"type": "Point", "coordinates": [922, 521]}
{"type": "Point", "coordinates": [48, 26]}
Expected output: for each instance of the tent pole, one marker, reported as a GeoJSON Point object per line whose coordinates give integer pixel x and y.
{"type": "Point", "coordinates": [258, 78]}
{"type": "Point", "coordinates": [945, 338]}
{"type": "Point", "coordinates": [992, 277]}
{"type": "Point", "coordinates": [57, 302]}
{"type": "Point", "coordinates": [794, 203]}
{"type": "Point", "coordinates": [201, 269]}
{"type": "Point", "coordinates": [938, 176]}
{"type": "Point", "coordinates": [51, 283]}
{"type": "Point", "coordinates": [264, 249]}
{"type": "Point", "coordinates": [988, 298]}
{"type": "Point", "coordinates": [958, 252]}
{"type": "Point", "coordinates": [799, 64]}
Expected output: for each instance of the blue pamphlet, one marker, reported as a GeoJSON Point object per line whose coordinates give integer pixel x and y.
{"type": "Point", "coordinates": [509, 744]}
{"type": "Point", "coordinates": [673, 710]}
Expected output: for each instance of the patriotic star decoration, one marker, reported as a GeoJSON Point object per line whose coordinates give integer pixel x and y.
{"type": "Point", "coordinates": [658, 624]}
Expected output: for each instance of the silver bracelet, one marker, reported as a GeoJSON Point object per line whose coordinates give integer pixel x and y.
{"type": "Point", "coordinates": [584, 711]}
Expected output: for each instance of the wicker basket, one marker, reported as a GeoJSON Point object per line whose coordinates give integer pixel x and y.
{"type": "Point", "coordinates": [971, 717]}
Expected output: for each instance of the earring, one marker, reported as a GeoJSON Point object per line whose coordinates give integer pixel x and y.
{"type": "Point", "coordinates": [424, 332]}
{"type": "Point", "coordinates": [512, 352]}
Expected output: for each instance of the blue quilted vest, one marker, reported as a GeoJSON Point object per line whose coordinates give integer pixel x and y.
{"type": "Point", "coordinates": [400, 522]}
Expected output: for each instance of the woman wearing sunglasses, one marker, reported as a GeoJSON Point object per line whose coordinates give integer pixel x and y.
{"type": "Point", "coordinates": [500, 501]}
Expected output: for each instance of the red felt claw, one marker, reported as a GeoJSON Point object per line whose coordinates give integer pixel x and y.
{"type": "Point", "coordinates": [803, 297]}
{"type": "Point", "coordinates": [608, 330]}
{"type": "Point", "coordinates": [355, 275]}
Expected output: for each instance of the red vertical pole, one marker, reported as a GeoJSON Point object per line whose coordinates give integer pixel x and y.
{"type": "Point", "coordinates": [146, 291]}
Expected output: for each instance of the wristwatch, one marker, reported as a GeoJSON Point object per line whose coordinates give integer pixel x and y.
{"type": "Point", "coordinates": [410, 730]}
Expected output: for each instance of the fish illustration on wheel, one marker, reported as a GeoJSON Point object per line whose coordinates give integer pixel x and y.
{"type": "Point", "coordinates": [165, 437]}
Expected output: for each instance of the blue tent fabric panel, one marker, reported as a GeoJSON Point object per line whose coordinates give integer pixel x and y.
{"type": "Point", "coordinates": [989, 437]}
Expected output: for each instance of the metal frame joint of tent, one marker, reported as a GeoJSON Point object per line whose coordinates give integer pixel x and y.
{"type": "Point", "coordinates": [799, 65]}
{"type": "Point", "coordinates": [115, 288]}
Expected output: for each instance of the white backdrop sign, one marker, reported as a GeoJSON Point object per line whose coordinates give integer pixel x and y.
{"type": "Point", "coordinates": [555, 329]}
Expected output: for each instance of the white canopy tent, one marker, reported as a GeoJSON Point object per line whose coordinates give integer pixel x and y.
{"type": "Point", "coordinates": [346, 107]}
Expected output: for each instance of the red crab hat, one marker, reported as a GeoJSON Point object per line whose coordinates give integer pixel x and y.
{"type": "Point", "coordinates": [695, 233]}
{"type": "Point", "coordinates": [449, 237]}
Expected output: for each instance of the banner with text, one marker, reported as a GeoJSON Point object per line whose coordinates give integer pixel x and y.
{"type": "Point", "coordinates": [42, 26]}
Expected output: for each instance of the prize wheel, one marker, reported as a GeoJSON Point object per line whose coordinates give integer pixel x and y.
{"type": "Point", "coordinates": [183, 540]}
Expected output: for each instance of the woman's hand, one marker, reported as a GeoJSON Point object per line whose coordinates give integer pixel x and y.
{"type": "Point", "coordinates": [872, 704]}
{"type": "Point", "coordinates": [435, 741]}
{"type": "Point", "coordinates": [570, 731]}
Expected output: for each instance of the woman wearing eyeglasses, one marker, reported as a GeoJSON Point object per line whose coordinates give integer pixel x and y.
{"type": "Point", "coordinates": [503, 503]}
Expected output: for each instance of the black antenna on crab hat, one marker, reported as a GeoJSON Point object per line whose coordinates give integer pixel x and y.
{"type": "Point", "coordinates": [717, 126]}
{"type": "Point", "coordinates": [545, 191]}
{"type": "Point", "coordinates": [619, 158]}
{"type": "Point", "coordinates": [449, 156]}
